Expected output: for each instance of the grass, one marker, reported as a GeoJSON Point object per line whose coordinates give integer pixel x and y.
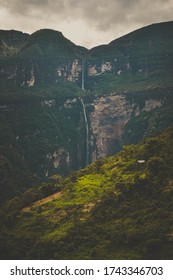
{"type": "Point", "coordinates": [42, 201]}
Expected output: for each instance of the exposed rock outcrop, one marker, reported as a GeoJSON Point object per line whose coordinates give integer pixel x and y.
{"type": "Point", "coordinates": [108, 120]}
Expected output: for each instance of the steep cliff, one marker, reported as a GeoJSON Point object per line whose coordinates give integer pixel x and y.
{"type": "Point", "coordinates": [42, 133]}
{"type": "Point", "coordinates": [63, 106]}
{"type": "Point", "coordinates": [119, 119]}
{"type": "Point", "coordinates": [45, 57]}
{"type": "Point", "coordinates": [141, 59]}
{"type": "Point", "coordinates": [108, 120]}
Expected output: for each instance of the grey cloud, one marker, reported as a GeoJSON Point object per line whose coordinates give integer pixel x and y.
{"type": "Point", "coordinates": [126, 12]}
{"type": "Point", "coordinates": [25, 7]}
{"type": "Point", "coordinates": [100, 15]}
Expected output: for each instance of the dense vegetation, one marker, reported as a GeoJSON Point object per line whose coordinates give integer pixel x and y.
{"type": "Point", "coordinates": [34, 125]}
{"type": "Point", "coordinates": [141, 60]}
{"type": "Point", "coordinates": [116, 208]}
{"type": "Point", "coordinates": [39, 122]}
{"type": "Point", "coordinates": [42, 124]}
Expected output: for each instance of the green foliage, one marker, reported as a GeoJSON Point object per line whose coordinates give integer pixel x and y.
{"type": "Point", "coordinates": [141, 61]}
{"type": "Point", "coordinates": [34, 125]}
{"type": "Point", "coordinates": [116, 208]}
{"type": "Point", "coordinates": [38, 123]}
{"type": "Point", "coordinates": [148, 123]}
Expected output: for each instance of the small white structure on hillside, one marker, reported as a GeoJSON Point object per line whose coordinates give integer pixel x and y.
{"type": "Point", "coordinates": [141, 161]}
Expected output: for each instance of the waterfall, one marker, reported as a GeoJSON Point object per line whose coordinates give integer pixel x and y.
{"type": "Point", "coordinates": [87, 132]}
{"type": "Point", "coordinates": [83, 69]}
{"type": "Point", "coordinates": [84, 113]}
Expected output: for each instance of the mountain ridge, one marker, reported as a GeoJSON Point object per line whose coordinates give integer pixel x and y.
{"type": "Point", "coordinates": [156, 26]}
{"type": "Point", "coordinates": [47, 48]}
{"type": "Point", "coordinates": [126, 91]}
{"type": "Point", "coordinates": [63, 107]}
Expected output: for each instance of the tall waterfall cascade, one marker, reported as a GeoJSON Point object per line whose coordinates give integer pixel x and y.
{"type": "Point", "coordinates": [83, 75]}
{"type": "Point", "coordinates": [87, 132]}
{"type": "Point", "coordinates": [85, 115]}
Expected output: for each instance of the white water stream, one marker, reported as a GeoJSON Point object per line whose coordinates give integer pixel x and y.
{"type": "Point", "coordinates": [83, 69]}
{"type": "Point", "coordinates": [85, 116]}
{"type": "Point", "coordinates": [87, 132]}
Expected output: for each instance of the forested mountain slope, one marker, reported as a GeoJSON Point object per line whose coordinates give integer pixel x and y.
{"type": "Point", "coordinates": [116, 208]}
{"type": "Point", "coordinates": [63, 106]}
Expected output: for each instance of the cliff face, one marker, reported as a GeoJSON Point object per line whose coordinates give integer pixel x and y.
{"type": "Point", "coordinates": [45, 57]}
{"type": "Point", "coordinates": [126, 89]}
{"type": "Point", "coordinates": [143, 58]}
{"type": "Point", "coordinates": [114, 116]}
{"type": "Point", "coordinates": [108, 119]}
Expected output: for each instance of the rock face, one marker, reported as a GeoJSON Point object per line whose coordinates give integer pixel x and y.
{"type": "Point", "coordinates": [44, 57]}
{"type": "Point", "coordinates": [47, 57]}
{"type": "Point", "coordinates": [108, 121]}
{"type": "Point", "coordinates": [62, 106]}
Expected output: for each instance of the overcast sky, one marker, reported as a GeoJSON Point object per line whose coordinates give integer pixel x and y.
{"type": "Point", "coordinates": [84, 22]}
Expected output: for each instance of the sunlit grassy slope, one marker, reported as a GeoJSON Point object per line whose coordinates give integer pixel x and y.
{"type": "Point", "coordinates": [116, 208]}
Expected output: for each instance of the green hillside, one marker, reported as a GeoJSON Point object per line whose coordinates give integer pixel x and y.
{"type": "Point", "coordinates": [42, 124]}
{"type": "Point", "coordinates": [141, 60]}
{"type": "Point", "coordinates": [116, 208]}
{"type": "Point", "coordinates": [34, 126]}
{"type": "Point", "coordinates": [51, 43]}
{"type": "Point", "coordinates": [11, 41]}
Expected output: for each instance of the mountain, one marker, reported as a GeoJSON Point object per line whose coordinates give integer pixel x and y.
{"type": "Point", "coordinates": [116, 208]}
{"type": "Point", "coordinates": [142, 58]}
{"type": "Point", "coordinates": [45, 57]}
{"type": "Point", "coordinates": [52, 43]}
{"type": "Point", "coordinates": [10, 41]}
{"type": "Point", "coordinates": [63, 106]}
